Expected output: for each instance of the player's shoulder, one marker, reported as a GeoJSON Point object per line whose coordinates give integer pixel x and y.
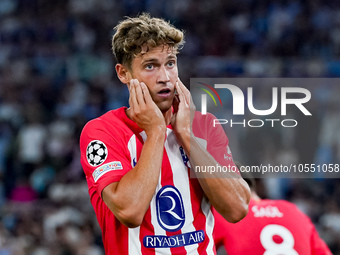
{"type": "Point", "coordinates": [285, 203]}
{"type": "Point", "coordinates": [277, 202]}
{"type": "Point", "coordinates": [204, 121]}
{"type": "Point", "coordinates": [204, 117]}
{"type": "Point", "coordinates": [112, 119]}
{"type": "Point", "coordinates": [96, 122]}
{"type": "Point", "coordinates": [207, 127]}
{"type": "Point", "coordinates": [286, 206]}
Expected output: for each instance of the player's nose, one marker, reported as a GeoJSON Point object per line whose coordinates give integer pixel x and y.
{"type": "Point", "coordinates": [163, 75]}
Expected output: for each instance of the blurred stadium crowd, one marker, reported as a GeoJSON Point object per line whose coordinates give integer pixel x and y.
{"type": "Point", "coordinates": [57, 72]}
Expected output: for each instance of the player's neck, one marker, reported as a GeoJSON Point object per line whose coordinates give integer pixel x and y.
{"type": "Point", "coordinates": [167, 116]}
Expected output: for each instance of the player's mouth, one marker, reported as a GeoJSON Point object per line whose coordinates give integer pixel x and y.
{"type": "Point", "coordinates": [164, 93]}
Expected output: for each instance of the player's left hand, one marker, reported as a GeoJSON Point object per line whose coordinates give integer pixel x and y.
{"type": "Point", "coordinates": [184, 110]}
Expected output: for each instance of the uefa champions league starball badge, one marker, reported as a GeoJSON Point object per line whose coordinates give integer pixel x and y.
{"type": "Point", "coordinates": [96, 153]}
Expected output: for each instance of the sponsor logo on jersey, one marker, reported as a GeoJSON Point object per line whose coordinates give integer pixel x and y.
{"type": "Point", "coordinates": [170, 208]}
{"type": "Point", "coordinates": [96, 153]}
{"type": "Point", "coordinates": [100, 171]}
{"type": "Point", "coordinates": [229, 155]}
{"type": "Point", "coordinates": [174, 241]}
{"type": "Point", "coordinates": [228, 150]}
{"type": "Point", "coordinates": [184, 157]}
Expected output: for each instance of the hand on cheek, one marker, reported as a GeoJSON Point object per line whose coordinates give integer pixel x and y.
{"type": "Point", "coordinates": [143, 109]}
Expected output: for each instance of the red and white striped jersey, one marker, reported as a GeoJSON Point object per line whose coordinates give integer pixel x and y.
{"type": "Point", "coordinates": [179, 219]}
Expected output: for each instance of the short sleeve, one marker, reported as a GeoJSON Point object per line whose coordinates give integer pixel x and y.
{"type": "Point", "coordinates": [104, 155]}
{"type": "Point", "coordinates": [319, 247]}
{"type": "Point", "coordinates": [216, 141]}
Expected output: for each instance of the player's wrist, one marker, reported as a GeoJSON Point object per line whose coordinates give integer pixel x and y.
{"type": "Point", "coordinates": [156, 131]}
{"type": "Point", "coordinates": [184, 134]}
{"type": "Point", "coordinates": [184, 140]}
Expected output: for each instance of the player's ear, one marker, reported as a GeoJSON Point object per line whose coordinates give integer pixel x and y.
{"type": "Point", "coordinates": [123, 73]}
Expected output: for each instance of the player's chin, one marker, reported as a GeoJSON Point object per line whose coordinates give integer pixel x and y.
{"type": "Point", "coordinates": [165, 105]}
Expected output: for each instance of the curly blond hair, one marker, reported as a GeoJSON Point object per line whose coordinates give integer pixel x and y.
{"type": "Point", "coordinates": [137, 35]}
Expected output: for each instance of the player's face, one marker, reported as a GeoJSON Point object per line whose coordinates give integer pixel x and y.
{"type": "Point", "coordinates": [157, 68]}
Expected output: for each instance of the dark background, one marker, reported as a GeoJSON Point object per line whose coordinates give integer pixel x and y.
{"type": "Point", "coordinates": [57, 72]}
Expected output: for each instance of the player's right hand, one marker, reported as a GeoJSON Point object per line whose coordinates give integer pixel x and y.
{"type": "Point", "coordinates": [143, 109]}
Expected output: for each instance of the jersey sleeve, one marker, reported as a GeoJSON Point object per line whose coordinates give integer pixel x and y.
{"type": "Point", "coordinates": [319, 247]}
{"type": "Point", "coordinates": [104, 156]}
{"type": "Point", "coordinates": [216, 141]}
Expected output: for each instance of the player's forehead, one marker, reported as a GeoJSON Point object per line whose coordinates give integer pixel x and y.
{"type": "Point", "coordinates": [160, 52]}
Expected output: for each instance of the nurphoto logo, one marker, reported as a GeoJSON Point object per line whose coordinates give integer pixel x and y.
{"type": "Point", "coordinates": [243, 102]}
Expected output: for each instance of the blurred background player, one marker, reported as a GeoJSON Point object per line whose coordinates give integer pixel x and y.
{"type": "Point", "coordinates": [271, 227]}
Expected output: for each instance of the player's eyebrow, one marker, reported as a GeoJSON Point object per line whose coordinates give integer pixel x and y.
{"type": "Point", "coordinates": [155, 60]}
{"type": "Point", "coordinates": [172, 56]}
{"type": "Point", "coordinates": [150, 60]}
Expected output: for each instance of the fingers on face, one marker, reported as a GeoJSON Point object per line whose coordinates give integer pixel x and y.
{"type": "Point", "coordinates": [181, 93]}
{"type": "Point", "coordinates": [139, 93]}
{"type": "Point", "coordinates": [185, 90]}
{"type": "Point", "coordinates": [176, 103]}
{"type": "Point", "coordinates": [146, 93]}
{"type": "Point", "coordinates": [132, 90]}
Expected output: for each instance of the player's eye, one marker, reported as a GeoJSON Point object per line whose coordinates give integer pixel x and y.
{"type": "Point", "coordinates": [149, 67]}
{"type": "Point", "coordinates": [171, 63]}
